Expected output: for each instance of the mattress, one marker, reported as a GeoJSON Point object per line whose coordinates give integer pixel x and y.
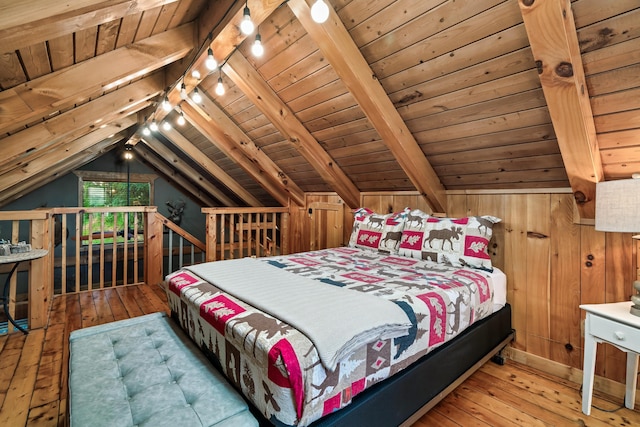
{"type": "Point", "coordinates": [279, 369]}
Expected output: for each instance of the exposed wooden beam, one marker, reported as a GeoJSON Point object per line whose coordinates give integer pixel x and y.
{"type": "Point", "coordinates": [260, 93]}
{"type": "Point", "coordinates": [338, 47]}
{"type": "Point", "coordinates": [554, 43]}
{"type": "Point", "coordinates": [225, 37]}
{"type": "Point", "coordinates": [214, 124]}
{"type": "Point", "coordinates": [25, 26]}
{"type": "Point", "coordinates": [53, 172]}
{"type": "Point", "coordinates": [23, 146]}
{"type": "Point", "coordinates": [44, 96]}
{"type": "Point", "coordinates": [51, 156]}
{"type": "Point", "coordinates": [210, 166]}
{"type": "Point", "coordinates": [169, 156]}
{"type": "Point", "coordinates": [171, 174]}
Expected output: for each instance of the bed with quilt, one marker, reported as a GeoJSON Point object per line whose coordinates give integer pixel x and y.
{"type": "Point", "coordinates": [305, 335]}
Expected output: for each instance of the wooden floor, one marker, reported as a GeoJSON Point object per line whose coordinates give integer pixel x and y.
{"type": "Point", "coordinates": [33, 375]}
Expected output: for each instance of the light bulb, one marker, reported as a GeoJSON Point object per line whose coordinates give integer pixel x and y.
{"type": "Point", "coordinates": [211, 62]}
{"type": "Point", "coordinates": [319, 11]}
{"type": "Point", "coordinates": [153, 126]}
{"type": "Point", "coordinates": [196, 96]}
{"type": "Point", "coordinates": [220, 87]}
{"type": "Point", "coordinates": [183, 91]}
{"type": "Point", "coordinates": [257, 49]}
{"type": "Point", "coordinates": [181, 121]}
{"type": "Point", "coordinates": [166, 125]}
{"type": "Point", "coordinates": [195, 74]}
{"type": "Point", "coordinates": [166, 105]}
{"type": "Point", "coordinates": [246, 25]}
{"type": "Point", "coordinates": [146, 131]}
{"type": "Point", "coordinates": [128, 155]}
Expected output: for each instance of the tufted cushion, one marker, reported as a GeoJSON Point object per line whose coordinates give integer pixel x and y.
{"type": "Point", "coordinates": [145, 371]}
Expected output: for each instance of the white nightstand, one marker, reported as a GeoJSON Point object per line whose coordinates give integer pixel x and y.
{"type": "Point", "coordinates": [613, 324]}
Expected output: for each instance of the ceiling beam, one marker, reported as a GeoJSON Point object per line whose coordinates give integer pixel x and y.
{"type": "Point", "coordinates": [225, 38]}
{"type": "Point", "coordinates": [49, 94]}
{"type": "Point", "coordinates": [100, 146]}
{"type": "Point", "coordinates": [22, 146]}
{"type": "Point", "coordinates": [338, 47]}
{"type": "Point", "coordinates": [210, 166]}
{"type": "Point", "coordinates": [26, 26]}
{"type": "Point", "coordinates": [220, 130]}
{"type": "Point", "coordinates": [554, 43]}
{"type": "Point", "coordinates": [267, 101]}
{"type": "Point", "coordinates": [171, 174]}
{"type": "Point", "coordinates": [172, 158]}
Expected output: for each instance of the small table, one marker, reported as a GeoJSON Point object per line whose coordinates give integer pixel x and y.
{"type": "Point", "coordinates": [613, 324]}
{"type": "Point", "coordinates": [16, 259]}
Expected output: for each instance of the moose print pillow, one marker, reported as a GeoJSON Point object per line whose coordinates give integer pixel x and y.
{"type": "Point", "coordinates": [460, 242]}
{"type": "Point", "coordinates": [377, 232]}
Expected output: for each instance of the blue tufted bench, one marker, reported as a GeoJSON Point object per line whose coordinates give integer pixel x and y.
{"type": "Point", "coordinates": [145, 371]}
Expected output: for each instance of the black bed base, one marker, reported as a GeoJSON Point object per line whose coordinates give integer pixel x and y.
{"type": "Point", "coordinates": [403, 398]}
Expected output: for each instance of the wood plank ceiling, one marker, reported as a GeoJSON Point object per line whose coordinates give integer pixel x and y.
{"type": "Point", "coordinates": [387, 95]}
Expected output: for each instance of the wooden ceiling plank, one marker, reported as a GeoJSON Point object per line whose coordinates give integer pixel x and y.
{"type": "Point", "coordinates": [41, 97]}
{"type": "Point", "coordinates": [342, 53]}
{"type": "Point", "coordinates": [554, 43]}
{"type": "Point", "coordinates": [92, 114]}
{"type": "Point", "coordinates": [260, 93]}
{"type": "Point", "coordinates": [171, 174]}
{"type": "Point", "coordinates": [176, 162]}
{"type": "Point", "coordinates": [220, 130]}
{"type": "Point", "coordinates": [50, 156]}
{"type": "Point", "coordinates": [210, 166]}
{"type": "Point", "coordinates": [16, 33]}
{"type": "Point", "coordinates": [56, 171]}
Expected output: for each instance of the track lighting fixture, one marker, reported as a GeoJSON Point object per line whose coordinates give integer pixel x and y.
{"type": "Point", "coordinates": [319, 11]}
{"type": "Point", "coordinates": [153, 126]}
{"type": "Point", "coordinates": [166, 125]}
{"type": "Point", "coordinates": [257, 49]}
{"type": "Point", "coordinates": [181, 121]}
{"type": "Point", "coordinates": [195, 74]}
{"type": "Point", "coordinates": [166, 105]}
{"type": "Point", "coordinates": [246, 25]}
{"type": "Point", "coordinates": [146, 131]}
{"type": "Point", "coordinates": [197, 98]}
{"type": "Point", "coordinates": [211, 62]}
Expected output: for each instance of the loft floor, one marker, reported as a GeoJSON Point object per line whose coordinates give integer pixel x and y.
{"type": "Point", "coordinates": [33, 375]}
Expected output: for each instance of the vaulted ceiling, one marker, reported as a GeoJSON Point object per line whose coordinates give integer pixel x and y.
{"type": "Point", "coordinates": [387, 95]}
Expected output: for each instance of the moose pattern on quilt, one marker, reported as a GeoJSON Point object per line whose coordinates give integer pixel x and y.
{"type": "Point", "coordinates": [278, 368]}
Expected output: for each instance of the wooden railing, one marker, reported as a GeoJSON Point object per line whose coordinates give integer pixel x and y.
{"type": "Point", "coordinates": [180, 248]}
{"type": "Point", "coordinates": [240, 232]}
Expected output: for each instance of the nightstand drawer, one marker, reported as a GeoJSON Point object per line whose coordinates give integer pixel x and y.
{"type": "Point", "coordinates": [615, 332]}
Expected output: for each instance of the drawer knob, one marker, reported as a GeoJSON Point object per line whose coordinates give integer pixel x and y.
{"type": "Point", "coordinates": [619, 335]}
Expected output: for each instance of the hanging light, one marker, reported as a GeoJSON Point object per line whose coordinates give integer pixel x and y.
{"type": "Point", "coordinates": [319, 11]}
{"type": "Point", "coordinates": [166, 125]}
{"type": "Point", "coordinates": [153, 126]}
{"type": "Point", "coordinates": [211, 62]}
{"type": "Point", "coordinates": [166, 105]}
{"type": "Point", "coordinates": [128, 154]}
{"type": "Point", "coordinates": [246, 25]}
{"type": "Point", "coordinates": [183, 91]}
{"type": "Point", "coordinates": [195, 74]}
{"type": "Point", "coordinates": [146, 131]}
{"type": "Point", "coordinates": [181, 121]}
{"type": "Point", "coordinates": [197, 98]}
{"type": "Point", "coordinates": [220, 86]}
{"type": "Point", "coordinates": [257, 49]}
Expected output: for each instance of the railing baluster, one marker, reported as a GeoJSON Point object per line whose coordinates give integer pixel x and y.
{"type": "Point", "coordinates": [170, 250]}
{"type": "Point", "coordinates": [180, 250]}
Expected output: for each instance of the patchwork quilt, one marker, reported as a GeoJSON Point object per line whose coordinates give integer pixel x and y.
{"type": "Point", "coordinates": [278, 368]}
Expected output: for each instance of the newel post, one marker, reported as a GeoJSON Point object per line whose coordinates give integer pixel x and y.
{"type": "Point", "coordinates": [153, 247]}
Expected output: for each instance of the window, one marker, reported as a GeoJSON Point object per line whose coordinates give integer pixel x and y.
{"type": "Point", "coordinates": [101, 189]}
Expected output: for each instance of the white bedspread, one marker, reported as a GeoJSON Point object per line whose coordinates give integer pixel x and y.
{"type": "Point", "coordinates": [336, 320]}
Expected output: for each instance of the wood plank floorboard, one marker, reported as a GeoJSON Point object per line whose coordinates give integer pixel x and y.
{"type": "Point", "coordinates": [33, 375]}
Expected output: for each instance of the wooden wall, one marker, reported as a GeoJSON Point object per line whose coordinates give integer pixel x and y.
{"type": "Point", "coordinates": [553, 264]}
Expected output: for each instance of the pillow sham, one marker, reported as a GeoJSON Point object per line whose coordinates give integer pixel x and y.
{"type": "Point", "coordinates": [377, 232]}
{"type": "Point", "coordinates": [460, 242]}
